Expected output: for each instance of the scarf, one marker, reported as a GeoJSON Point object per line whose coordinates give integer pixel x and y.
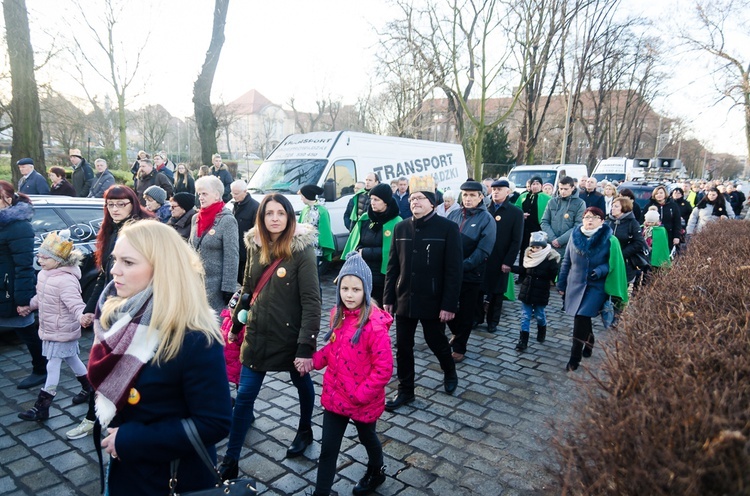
{"type": "Point", "coordinates": [532, 259]}
{"type": "Point", "coordinates": [206, 217]}
{"type": "Point", "coordinates": [119, 353]}
{"type": "Point", "coordinates": [589, 233]}
{"type": "Point", "coordinates": [378, 219]}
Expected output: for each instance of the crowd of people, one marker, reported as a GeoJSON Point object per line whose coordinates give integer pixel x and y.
{"type": "Point", "coordinates": [249, 300]}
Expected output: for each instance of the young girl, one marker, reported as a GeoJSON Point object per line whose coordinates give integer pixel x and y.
{"type": "Point", "coordinates": [360, 363]}
{"type": "Point", "coordinates": [538, 269]}
{"type": "Point", "coordinates": [656, 238]}
{"type": "Point", "coordinates": [58, 299]}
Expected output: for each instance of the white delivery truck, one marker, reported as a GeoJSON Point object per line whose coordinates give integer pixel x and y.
{"type": "Point", "coordinates": [614, 169]}
{"type": "Point", "coordinates": [549, 173]}
{"type": "Point", "coordinates": [336, 160]}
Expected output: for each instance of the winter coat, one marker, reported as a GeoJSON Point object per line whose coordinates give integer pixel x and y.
{"type": "Point", "coordinates": [627, 230]}
{"type": "Point", "coordinates": [150, 436]}
{"type": "Point", "coordinates": [509, 224]}
{"type": "Point", "coordinates": [357, 374]}
{"type": "Point", "coordinates": [736, 200]}
{"type": "Point", "coordinates": [560, 217]}
{"type": "Point", "coordinates": [404, 209]}
{"type": "Point", "coordinates": [702, 215]}
{"type": "Point", "coordinates": [105, 275]}
{"type": "Point", "coordinates": [58, 299]}
{"type": "Point", "coordinates": [163, 213]}
{"type": "Point", "coordinates": [478, 236]}
{"type": "Point", "coordinates": [151, 179]}
{"type": "Point", "coordinates": [102, 182]}
{"type": "Point", "coordinates": [685, 211]}
{"type": "Point", "coordinates": [231, 349]}
{"type": "Point", "coordinates": [245, 213]}
{"type": "Point", "coordinates": [16, 258]}
{"type": "Point", "coordinates": [183, 224]}
{"type": "Point", "coordinates": [35, 184]}
{"type": "Point", "coordinates": [372, 236]}
{"type": "Point", "coordinates": [226, 178]}
{"type": "Point", "coordinates": [536, 280]}
{"type": "Point", "coordinates": [583, 272]}
{"type": "Point", "coordinates": [425, 267]}
{"type": "Point", "coordinates": [669, 213]}
{"type": "Point", "coordinates": [63, 188]}
{"type": "Point", "coordinates": [593, 199]}
{"type": "Point", "coordinates": [218, 250]}
{"type": "Point", "coordinates": [82, 178]}
{"type": "Point", "coordinates": [285, 319]}
{"type": "Point", "coordinates": [356, 207]}
{"type": "Point", "coordinates": [185, 184]}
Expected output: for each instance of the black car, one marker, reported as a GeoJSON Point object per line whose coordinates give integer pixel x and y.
{"type": "Point", "coordinates": [82, 217]}
{"type": "Point", "coordinates": [641, 190]}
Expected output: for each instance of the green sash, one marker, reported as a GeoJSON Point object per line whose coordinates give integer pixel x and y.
{"type": "Point", "coordinates": [510, 293]}
{"type": "Point", "coordinates": [660, 247]}
{"type": "Point", "coordinates": [616, 283]}
{"type": "Point", "coordinates": [541, 206]}
{"type": "Point", "coordinates": [325, 236]}
{"type": "Point", "coordinates": [353, 241]}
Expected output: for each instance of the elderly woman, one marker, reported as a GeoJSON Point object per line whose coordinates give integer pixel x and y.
{"type": "Point", "coordinates": [183, 210]}
{"type": "Point", "coordinates": [592, 269]}
{"type": "Point", "coordinates": [215, 237]}
{"type": "Point", "coordinates": [449, 204]}
{"type": "Point", "coordinates": [60, 185]}
{"type": "Point", "coordinates": [712, 207]}
{"type": "Point", "coordinates": [156, 203]}
{"type": "Point", "coordinates": [626, 228]}
{"type": "Point", "coordinates": [157, 361]}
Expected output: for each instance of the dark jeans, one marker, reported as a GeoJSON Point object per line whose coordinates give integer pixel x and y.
{"type": "Point", "coordinates": [29, 336]}
{"type": "Point", "coordinates": [334, 426]}
{"type": "Point", "coordinates": [582, 331]}
{"type": "Point", "coordinates": [242, 415]}
{"type": "Point", "coordinates": [461, 325]}
{"type": "Point", "coordinates": [434, 336]}
{"type": "Point", "coordinates": [494, 309]}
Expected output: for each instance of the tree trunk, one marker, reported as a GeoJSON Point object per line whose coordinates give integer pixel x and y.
{"type": "Point", "coordinates": [124, 165]}
{"type": "Point", "coordinates": [205, 119]}
{"type": "Point", "coordinates": [25, 114]}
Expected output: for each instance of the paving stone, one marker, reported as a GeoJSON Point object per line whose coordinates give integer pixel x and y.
{"type": "Point", "coordinates": [24, 466]}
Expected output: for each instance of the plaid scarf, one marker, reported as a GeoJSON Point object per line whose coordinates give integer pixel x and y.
{"type": "Point", "coordinates": [120, 352]}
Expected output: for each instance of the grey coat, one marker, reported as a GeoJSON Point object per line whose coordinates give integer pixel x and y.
{"type": "Point", "coordinates": [584, 271]}
{"type": "Point", "coordinates": [560, 217]}
{"type": "Point", "coordinates": [218, 249]}
{"type": "Point", "coordinates": [102, 182]}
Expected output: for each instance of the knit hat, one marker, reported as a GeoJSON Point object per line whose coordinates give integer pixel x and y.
{"type": "Point", "coordinates": [156, 193]}
{"type": "Point", "coordinates": [185, 200]}
{"type": "Point", "coordinates": [59, 248]}
{"type": "Point", "coordinates": [472, 186]}
{"type": "Point", "coordinates": [311, 191]}
{"type": "Point", "coordinates": [382, 191]}
{"type": "Point", "coordinates": [652, 216]}
{"type": "Point", "coordinates": [538, 238]}
{"type": "Point", "coordinates": [536, 179]}
{"type": "Point", "coordinates": [25, 161]}
{"type": "Point", "coordinates": [356, 266]}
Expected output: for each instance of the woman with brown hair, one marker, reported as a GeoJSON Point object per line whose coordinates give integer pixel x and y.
{"type": "Point", "coordinates": [669, 213]}
{"type": "Point", "coordinates": [60, 185]}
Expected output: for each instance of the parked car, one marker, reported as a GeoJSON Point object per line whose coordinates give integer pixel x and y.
{"type": "Point", "coordinates": [82, 217]}
{"type": "Point", "coordinates": [641, 190]}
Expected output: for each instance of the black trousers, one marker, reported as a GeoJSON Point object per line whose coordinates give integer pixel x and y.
{"type": "Point", "coordinates": [461, 325]}
{"type": "Point", "coordinates": [334, 426]}
{"type": "Point", "coordinates": [29, 336]}
{"type": "Point", "coordinates": [434, 336]}
{"type": "Point", "coordinates": [582, 334]}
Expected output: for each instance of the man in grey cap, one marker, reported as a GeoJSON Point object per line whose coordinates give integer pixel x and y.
{"type": "Point", "coordinates": [31, 182]}
{"type": "Point", "coordinates": [477, 239]}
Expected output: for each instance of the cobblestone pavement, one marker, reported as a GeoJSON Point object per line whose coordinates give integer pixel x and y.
{"type": "Point", "coordinates": [491, 438]}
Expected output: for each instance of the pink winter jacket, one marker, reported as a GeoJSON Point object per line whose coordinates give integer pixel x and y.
{"type": "Point", "coordinates": [354, 383]}
{"type": "Point", "coordinates": [231, 350]}
{"type": "Point", "coordinates": [58, 299]}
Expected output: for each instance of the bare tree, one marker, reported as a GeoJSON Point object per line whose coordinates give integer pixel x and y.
{"type": "Point", "coordinates": [307, 122]}
{"type": "Point", "coordinates": [722, 32]}
{"type": "Point", "coordinates": [63, 121]}
{"type": "Point", "coordinates": [154, 121]}
{"type": "Point", "coordinates": [205, 120]}
{"type": "Point", "coordinates": [226, 115]}
{"type": "Point", "coordinates": [24, 107]}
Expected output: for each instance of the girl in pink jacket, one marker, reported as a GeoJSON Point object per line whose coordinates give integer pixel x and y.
{"type": "Point", "coordinates": [360, 364]}
{"type": "Point", "coordinates": [58, 299]}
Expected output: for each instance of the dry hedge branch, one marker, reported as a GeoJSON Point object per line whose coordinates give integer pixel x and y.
{"type": "Point", "coordinates": [670, 413]}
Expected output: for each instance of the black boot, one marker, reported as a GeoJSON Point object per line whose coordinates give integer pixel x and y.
{"type": "Point", "coordinates": [40, 410]}
{"type": "Point", "coordinates": [523, 341]}
{"type": "Point", "coordinates": [588, 348]}
{"type": "Point", "coordinates": [541, 333]}
{"type": "Point", "coordinates": [228, 469]}
{"type": "Point", "coordinates": [86, 390]}
{"type": "Point", "coordinates": [302, 440]}
{"type": "Point", "coordinates": [374, 477]}
{"type": "Point", "coordinates": [402, 398]}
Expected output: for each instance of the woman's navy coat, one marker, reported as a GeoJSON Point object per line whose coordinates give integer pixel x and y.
{"type": "Point", "coordinates": [583, 272]}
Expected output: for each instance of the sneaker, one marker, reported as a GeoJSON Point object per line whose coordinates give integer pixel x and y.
{"type": "Point", "coordinates": [82, 430]}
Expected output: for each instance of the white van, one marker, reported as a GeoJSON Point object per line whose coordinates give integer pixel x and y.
{"type": "Point", "coordinates": [614, 169]}
{"type": "Point", "coordinates": [549, 173]}
{"type": "Point", "coordinates": [336, 160]}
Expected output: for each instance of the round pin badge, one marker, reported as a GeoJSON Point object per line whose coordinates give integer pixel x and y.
{"type": "Point", "coordinates": [281, 272]}
{"type": "Point", "coordinates": [134, 396]}
{"type": "Point", "coordinates": [386, 233]}
{"type": "Point", "coordinates": [567, 216]}
{"type": "Point", "coordinates": [497, 218]}
{"type": "Point", "coordinates": [212, 232]}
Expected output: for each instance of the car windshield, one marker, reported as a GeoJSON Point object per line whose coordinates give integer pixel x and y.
{"type": "Point", "coordinates": [520, 177]}
{"type": "Point", "coordinates": [609, 176]}
{"type": "Point", "coordinates": [286, 176]}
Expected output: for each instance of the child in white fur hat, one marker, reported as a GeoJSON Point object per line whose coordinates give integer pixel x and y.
{"type": "Point", "coordinates": [58, 299]}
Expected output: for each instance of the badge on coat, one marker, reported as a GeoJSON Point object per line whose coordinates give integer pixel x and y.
{"type": "Point", "coordinates": [281, 272]}
{"type": "Point", "coordinates": [387, 233]}
{"type": "Point", "coordinates": [497, 218]}
{"type": "Point", "coordinates": [566, 216]}
{"type": "Point", "coordinates": [134, 397]}
{"type": "Point", "coordinates": [212, 232]}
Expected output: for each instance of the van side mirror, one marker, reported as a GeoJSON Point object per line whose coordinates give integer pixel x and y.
{"type": "Point", "coordinates": [329, 191]}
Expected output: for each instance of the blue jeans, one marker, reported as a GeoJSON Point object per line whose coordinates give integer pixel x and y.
{"type": "Point", "coordinates": [242, 415]}
{"type": "Point", "coordinates": [526, 312]}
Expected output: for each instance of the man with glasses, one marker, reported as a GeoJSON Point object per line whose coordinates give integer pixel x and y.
{"type": "Point", "coordinates": [422, 285]}
{"type": "Point", "coordinates": [562, 214]}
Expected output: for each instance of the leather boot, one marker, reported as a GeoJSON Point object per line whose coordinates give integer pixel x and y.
{"type": "Point", "coordinates": [40, 410]}
{"type": "Point", "coordinates": [86, 390]}
{"type": "Point", "coordinates": [228, 469]}
{"type": "Point", "coordinates": [523, 341]}
{"type": "Point", "coordinates": [401, 399]}
{"type": "Point", "coordinates": [302, 440]}
{"type": "Point", "coordinates": [374, 477]}
{"type": "Point", "coordinates": [541, 333]}
{"type": "Point", "coordinates": [588, 348]}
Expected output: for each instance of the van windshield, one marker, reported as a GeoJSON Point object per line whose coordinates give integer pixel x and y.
{"type": "Point", "coordinates": [609, 176]}
{"type": "Point", "coordinates": [520, 177]}
{"type": "Point", "coordinates": [286, 176]}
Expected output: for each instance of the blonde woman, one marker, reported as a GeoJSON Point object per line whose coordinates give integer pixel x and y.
{"type": "Point", "coordinates": [183, 179]}
{"type": "Point", "coordinates": [610, 193]}
{"type": "Point", "coordinates": [157, 358]}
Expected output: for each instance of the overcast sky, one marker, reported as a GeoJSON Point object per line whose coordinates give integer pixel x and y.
{"type": "Point", "coordinates": [307, 49]}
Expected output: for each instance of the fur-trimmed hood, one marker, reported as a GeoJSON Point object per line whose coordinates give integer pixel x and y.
{"type": "Point", "coordinates": [586, 245]}
{"type": "Point", "coordinates": [304, 235]}
{"type": "Point", "coordinates": [73, 261]}
{"type": "Point", "coordinates": [19, 211]}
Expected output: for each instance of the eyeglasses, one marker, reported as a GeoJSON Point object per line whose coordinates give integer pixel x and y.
{"type": "Point", "coordinates": [417, 198]}
{"type": "Point", "coordinates": [174, 206]}
{"type": "Point", "coordinates": [120, 204]}
{"type": "Point", "coordinates": [590, 217]}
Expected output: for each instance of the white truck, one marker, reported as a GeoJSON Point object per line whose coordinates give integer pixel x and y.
{"type": "Point", "coordinates": [336, 160]}
{"type": "Point", "coordinates": [550, 173]}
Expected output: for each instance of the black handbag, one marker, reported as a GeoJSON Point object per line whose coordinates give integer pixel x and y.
{"type": "Point", "coordinates": [244, 486]}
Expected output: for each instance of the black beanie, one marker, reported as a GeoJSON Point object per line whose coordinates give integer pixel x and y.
{"type": "Point", "coordinates": [185, 200]}
{"type": "Point", "coordinates": [311, 191]}
{"type": "Point", "coordinates": [430, 196]}
{"type": "Point", "coordinates": [382, 191]}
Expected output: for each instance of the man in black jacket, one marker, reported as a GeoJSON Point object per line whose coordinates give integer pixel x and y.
{"type": "Point", "coordinates": [220, 170]}
{"type": "Point", "coordinates": [422, 284]}
{"type": "Point", "coordinates": [591, 196]}
{"type": "Point", "coordinates": [83, 174]}
{"type": "Point", "coordinates": [245, 210]}
{"type": "Point", "coordinates": [147, 177]}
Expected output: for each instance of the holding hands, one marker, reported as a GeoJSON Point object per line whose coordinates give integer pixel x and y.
{"type": "Point", "coordinates": [23, 311]}
{"type": "Point", "coordinates": [303, 365]}
{"type": "Point", "coordinates": [87, 319]}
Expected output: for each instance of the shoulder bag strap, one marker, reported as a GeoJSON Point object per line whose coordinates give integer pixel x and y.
{"type": "Point", "coordinates": [200, 448]}
{"type": "Point", "coordinates": [264, 280]}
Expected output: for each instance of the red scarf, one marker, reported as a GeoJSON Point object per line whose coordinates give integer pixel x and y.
{"type": "Point", "coordinates": [206, 217]}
